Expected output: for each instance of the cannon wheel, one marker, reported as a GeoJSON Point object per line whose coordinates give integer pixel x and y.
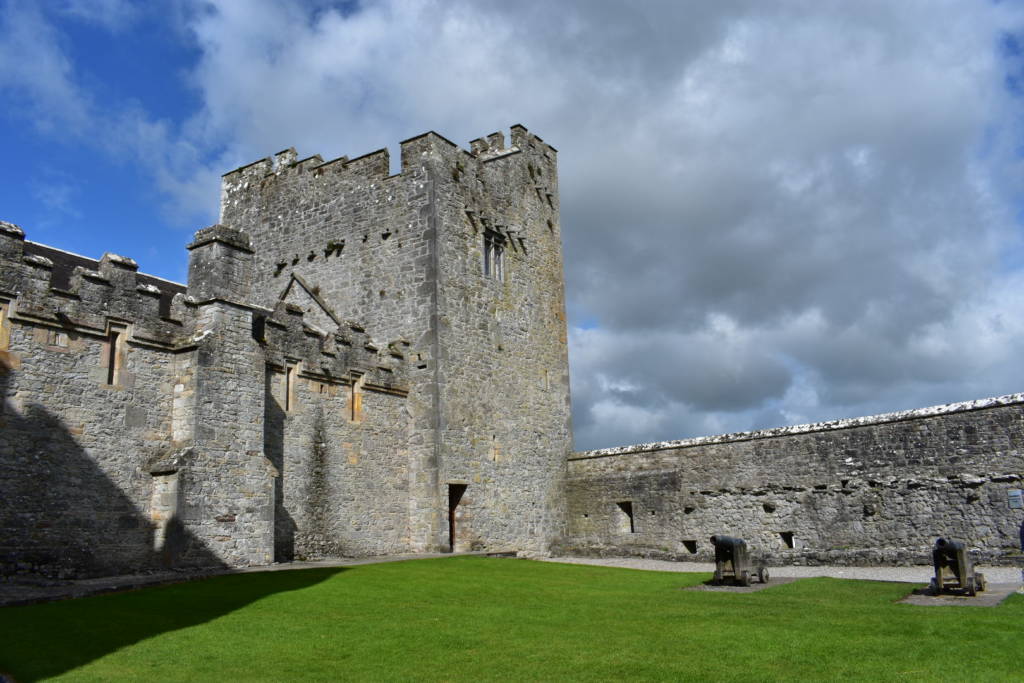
{"type": "Point", "coordinates": [717, 579]}
{"type": "Point", "coordinates": [934, 587]}
{"type": "Point", "coordinates": [972, 589]}
{"type": "Point", "coordinates": [980, 581]}
{"type": "Point", "coordinates": [744, 578]}
{"type": "Point", "coordinates": [762, 574]}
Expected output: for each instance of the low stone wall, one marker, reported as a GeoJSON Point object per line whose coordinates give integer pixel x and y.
{"type": "Point", "coordinates": [875, 490]}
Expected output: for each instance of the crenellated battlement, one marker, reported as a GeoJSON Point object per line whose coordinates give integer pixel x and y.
{"type": "Point", "coordinates": [57, 289]}
{"type": "Point", "coordinates": [376, 164]}
{"type": "Point", "coordinates": [323, 219]}
{"type": "Point", "coordinates": [343, 355]}
{"type": "Point", "coordinates": [73, 294]}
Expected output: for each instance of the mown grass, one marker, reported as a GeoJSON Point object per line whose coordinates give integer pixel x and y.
{"type": "Point", "coordinates": [472, 618]}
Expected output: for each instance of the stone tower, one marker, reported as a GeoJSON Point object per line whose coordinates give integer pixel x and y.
{"type": "Point", "coordinates": [459, 257]}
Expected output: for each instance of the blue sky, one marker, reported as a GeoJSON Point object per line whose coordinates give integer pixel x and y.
{"type": "Point", "coordinates": [809, 210]}
{"type": "Point", "coordinates": [70, 187]}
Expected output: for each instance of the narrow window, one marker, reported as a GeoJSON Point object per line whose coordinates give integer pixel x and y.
{"type": "Point", "coordinates": [487, 255]}
{"type": "Point", "coordinates": [115, 354]}
{"type": "Point", "coordinates": [625, 517]}
{"type": "Point", "coordinates": [289, 388]}
{"type": "Point", "coordinates": [691, 546]}
{"type": "Point", "coordinates": [355, 402]}
{"type": "Point", "coordinates": [5, 335]}
{"type": "Point", "coordinates": [455, 493]}
{"type": "Point", "coordinates": [494, 249]}
{"type": "Point", "coordinates": [787, 538]}
{"type": "Point", "coordinates": [57, 338]}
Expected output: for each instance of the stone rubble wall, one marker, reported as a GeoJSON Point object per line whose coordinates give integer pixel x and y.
{"type": "Point", "coordinates": [324, 459]}
{"type": "Point", "coordinates": [162, 462]}
{"type": "Point", "coordinates": [870, 490]}
{"type": "Point", "coordinates": [75, 448]}
{"type": "Point", "coordinates": [341, 470]}
{"type": "Point", "coordinates": [504, 380]}
{"type": "Point", "coordinates": [226, 497]}
{"type": "Point", "coordinates": [361, 242]}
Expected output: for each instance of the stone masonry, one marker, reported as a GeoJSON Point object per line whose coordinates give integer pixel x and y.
{"type": "Point", "coordinates": [364, 363]}
{"type": "Point", "coordinates": [360, 364]}
{"type": "Point", "coordinates": [873, 490]}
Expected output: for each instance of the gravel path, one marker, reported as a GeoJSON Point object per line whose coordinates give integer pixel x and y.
{"type": "Point", "coordinates": [916, 574]}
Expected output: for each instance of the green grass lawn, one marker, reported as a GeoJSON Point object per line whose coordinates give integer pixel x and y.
{"type": "Point", "coordinates": [473, 618]}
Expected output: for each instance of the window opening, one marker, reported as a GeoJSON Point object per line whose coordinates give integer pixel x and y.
{"type": "Point", "coordinates": [57, 338]}
{"type": "Point", "coordinates": [787, 538]}
{"type": "Point", "coordinates": [625, 516]}
{"type": "Point", "coordinates": [289, 388]}
{"type": "Point", "coordinates": [455, 492]}
{"type": "Point", "coordinates": [4, 334]}
{"type": "Point", "coordinates": [115, 354]}
{"type": "Point", "coordinates": [494, 250]}
{"type": "Point", "coordinates": [691, 547]}
{"type": "Point", "coordinates": [355, 402]}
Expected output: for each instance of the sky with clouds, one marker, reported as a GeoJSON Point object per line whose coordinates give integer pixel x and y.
{"type": "Point", "coordinates": [773, 212]}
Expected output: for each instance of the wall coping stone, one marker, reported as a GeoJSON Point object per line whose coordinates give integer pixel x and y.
{"type": "Point", "coordinates": [832, 425]}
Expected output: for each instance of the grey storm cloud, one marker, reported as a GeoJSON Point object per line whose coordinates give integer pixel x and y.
{"type": "Point", "coordinates": [772, 212]}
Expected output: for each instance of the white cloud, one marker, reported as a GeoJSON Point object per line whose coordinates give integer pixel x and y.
{"type": "Point", "coordinates": [36, 76]}
{"type": "Point", "coordinates": [807, 208]}
{"type": "Point", "coordinates": [790, 197]}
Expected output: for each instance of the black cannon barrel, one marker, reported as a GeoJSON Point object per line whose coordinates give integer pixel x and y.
{"type": "Point", "coordinates": [726, 541]}
{"type": "Point", "coordinates": [948, 547]}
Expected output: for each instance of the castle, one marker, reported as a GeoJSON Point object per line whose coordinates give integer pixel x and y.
{"type": "Point", "coordinates": [365, 364]}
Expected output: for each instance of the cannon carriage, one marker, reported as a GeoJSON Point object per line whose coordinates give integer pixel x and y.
{"type": "Point", "coordinates": [954, 569]}
{"type": "Point", "coordinates": [732, 562]}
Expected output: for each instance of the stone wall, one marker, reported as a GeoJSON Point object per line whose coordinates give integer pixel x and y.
{"type": "Point", "coordinates": [134, 430]}
{"type": "Point", "coordinates": [343, 470]}
{"type": "Point", "coordinates": [87, 369]}
{"type": "Point", "coordinates": [503, 380]}
{"type": "Point", "coordinates": [365, 363]}
{"type": "Point", "coordinates": [876, 489]}
{"type": "Point", "coordinates": [74, 486]}
{"type": "Point", "coordinates": [345, 241]}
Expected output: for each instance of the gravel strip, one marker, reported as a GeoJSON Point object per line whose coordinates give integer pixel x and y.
{"type": "Point", "coordinates": [916, 574]}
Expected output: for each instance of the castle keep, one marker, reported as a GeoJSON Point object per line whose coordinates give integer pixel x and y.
{"type": "Point", "coordinates": [364, 363]}
{"type": "Point", "coordinates": [360, 364]}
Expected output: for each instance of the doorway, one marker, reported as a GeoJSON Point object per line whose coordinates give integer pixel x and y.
{"type": "Point", "coordinates": [455, 492]}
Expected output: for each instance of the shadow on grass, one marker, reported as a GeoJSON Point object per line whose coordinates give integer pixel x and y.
{"type": "Point", "coordinates": [47, 640]}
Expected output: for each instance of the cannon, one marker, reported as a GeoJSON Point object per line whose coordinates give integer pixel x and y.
{"type": "Point", "coordinates": [954, 569]}
{"type": "Point", "coordinates": [732, 561]}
